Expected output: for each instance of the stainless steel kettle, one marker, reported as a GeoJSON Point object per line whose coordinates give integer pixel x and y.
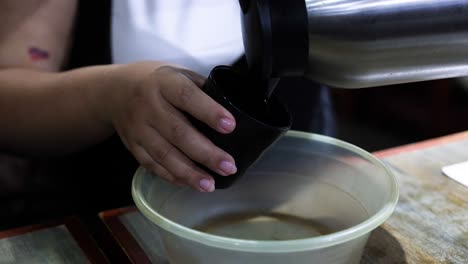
{"type": "Point", "coordinates": [357, 43]}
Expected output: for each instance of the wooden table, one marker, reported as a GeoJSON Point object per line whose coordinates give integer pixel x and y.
{"type": "Point", "coordinates": [429, 225]}
{"type": "Point", "coordinates": [60, 242]}
{"type": "Point", "coordinates": [430, 222]}
{"type": "Point", "coordinates": [134, 233]}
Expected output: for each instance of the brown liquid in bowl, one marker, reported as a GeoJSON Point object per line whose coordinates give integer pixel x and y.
{"type": "Point", "coordinates": [264, 226]}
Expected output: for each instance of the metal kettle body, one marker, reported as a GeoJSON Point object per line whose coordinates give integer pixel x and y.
{"type": "Point", "coordinates": [357, 43]}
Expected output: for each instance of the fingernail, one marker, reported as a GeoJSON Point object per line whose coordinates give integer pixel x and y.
{"type": "Point", "coordinates": [227, 124]}
{"type": "Point", "coordinates": [228, 167]}
{"type": "Point", "coordinates": [207, 185]}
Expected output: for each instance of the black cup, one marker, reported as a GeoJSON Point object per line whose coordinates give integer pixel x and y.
{"type": "Point", "coordinates": [259, 122]}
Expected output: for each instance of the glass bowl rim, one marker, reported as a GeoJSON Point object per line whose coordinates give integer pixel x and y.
{"type": "Point", "coordinates": [265, 246]}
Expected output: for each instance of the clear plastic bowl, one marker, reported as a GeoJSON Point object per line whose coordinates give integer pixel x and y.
{"type": "Point", "coordinates": [309, 199]}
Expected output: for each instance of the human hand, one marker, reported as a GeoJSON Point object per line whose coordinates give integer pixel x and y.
{"type": "Point", "coordinates": [148, 116]}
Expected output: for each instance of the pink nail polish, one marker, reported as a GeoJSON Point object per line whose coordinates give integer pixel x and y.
{"type": "Point", "coordinates": [206, 185]}
{"type": "Point", "coordinates": [227, 124]}
{"type": "Point", "coordinates": [228, 167]}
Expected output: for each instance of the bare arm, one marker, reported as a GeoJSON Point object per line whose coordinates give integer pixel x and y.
{"type": "Point", "coordinates": [43, 110]}
{"type": "Point", "coordinates": [50, 113]}
{"type": "Point", "coordinates": [35, 34]}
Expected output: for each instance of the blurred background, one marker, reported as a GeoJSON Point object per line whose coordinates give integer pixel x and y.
{"type": "Point", "coordinates": [383, 117]}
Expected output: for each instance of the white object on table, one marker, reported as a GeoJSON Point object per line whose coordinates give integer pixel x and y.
{"type": "Point", "coordinates": [457, 172]}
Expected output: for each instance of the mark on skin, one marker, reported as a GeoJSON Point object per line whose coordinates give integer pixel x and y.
{"type": "Point", "coordinates": [37, 54]}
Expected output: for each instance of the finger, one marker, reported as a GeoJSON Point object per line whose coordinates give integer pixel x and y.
{"type": "Point", "coordinates": [194, 77]}
{"type": "Point", "coordinates": [180, 133]}
{"type": "Point", "coordinates": [146, 161]}
{"type": "Point", "coordinates": [160, 170]}
{"type": "Point", "coordinates": [183, 93]}
{"type": "Point", "coordinates": [175, 162]}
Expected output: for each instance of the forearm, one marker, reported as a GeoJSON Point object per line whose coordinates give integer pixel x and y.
{"type": "Point", "coordinates": [44, 112]}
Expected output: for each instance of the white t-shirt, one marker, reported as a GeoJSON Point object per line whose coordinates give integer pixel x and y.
{"type": "Point", "coordinates": [198, 34]}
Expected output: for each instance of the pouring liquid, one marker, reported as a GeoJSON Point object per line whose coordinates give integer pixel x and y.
{"type": "Point", "coordinates": [252, 95]}
{"type": "Point", "coordinates": [270, 87]}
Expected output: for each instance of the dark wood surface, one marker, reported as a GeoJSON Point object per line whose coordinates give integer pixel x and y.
{"type": "Point", "coordinates": [122, 234]}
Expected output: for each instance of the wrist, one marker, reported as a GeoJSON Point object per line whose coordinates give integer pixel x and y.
{"type": "Point", "coordinates": [117, 85]}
